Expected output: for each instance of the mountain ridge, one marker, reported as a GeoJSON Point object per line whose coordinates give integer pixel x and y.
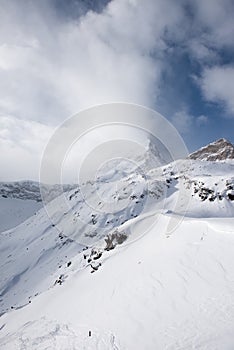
{"type": "Point", "coordinates": [218, 150]}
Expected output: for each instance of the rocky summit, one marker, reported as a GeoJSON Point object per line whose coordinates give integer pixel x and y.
{"type": "Point", "coordinates": [215, 151]}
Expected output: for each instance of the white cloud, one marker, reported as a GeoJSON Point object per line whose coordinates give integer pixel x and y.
{"type": "Point", "coordinates": [209, 30]}
{"type": "Point", "coordinates": [52, 66]}
{"type": "Point", "coordinates": [182, 120]}
{"type": "Point", "coordinates": [201, 52]}
{"type": "Point", "coordinates": [215, 19]}
{"type": "Point", "coordinates": [64, 66]}
{"type": "Point", "coordinates": [202, 120]}
{"type": "Point", "coordinates": [21, 143]}
{"type": "Point", "coordinates": [217, 84]}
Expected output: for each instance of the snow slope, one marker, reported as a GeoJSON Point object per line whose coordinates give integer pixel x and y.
{"type": "Point", "coordinates": [14, 211]}
{"type": "Point", "coordinates": [209, 186]}
{"type": "Point", "coordinates": [153, 290]}
{"type": "Point", "coordinates": [160, 292]}
{"type": "Point", "coordinates": [20, 200]}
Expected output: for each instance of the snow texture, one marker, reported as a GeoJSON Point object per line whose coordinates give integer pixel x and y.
{"type": "Point", "coordinates": [117, 279]}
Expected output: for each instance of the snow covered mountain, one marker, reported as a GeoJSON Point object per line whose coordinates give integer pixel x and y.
{"type": "Point", "coordinates": [218, 150]}
{"type": "Point", "coordinates": [106, 272]}
{"type": "Point", "coordinates": [20, 200]}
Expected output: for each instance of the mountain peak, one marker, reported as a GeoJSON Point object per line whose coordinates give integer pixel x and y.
{"type": "Point", "coordinates": [220, 149]}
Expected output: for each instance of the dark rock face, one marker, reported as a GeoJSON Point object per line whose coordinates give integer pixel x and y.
{"type": "Point", "coordinates": [218, 150]}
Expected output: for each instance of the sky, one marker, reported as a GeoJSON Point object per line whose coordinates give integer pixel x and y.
{"type": "Point", "coordinates": [58, 57]}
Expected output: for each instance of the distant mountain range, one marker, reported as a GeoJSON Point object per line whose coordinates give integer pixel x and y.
{"type": "Point", "coordinates": [29, 190]}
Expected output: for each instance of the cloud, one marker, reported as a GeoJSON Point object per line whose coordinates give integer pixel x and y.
{"type": "Point", "coordinates": [67, 65]}
{"type": "Point", "coordinates": [182, 120]}
{"type": "Point", "coordinates": [21, 143]}
{"type": "Point", "coordinates": [212, 49]}
{"type": "Point", "coordinates": [217, 84]}
{"type": "Point", "coordinates": [202, 120]}
{"type": "Point", "coordinates": [185, 121]}
{"type": "Point", "coordinates": [200, 51]}
{"type": "Point", "coordinates": [63, 58]}
{"type": "Point", "coordinates": [214, 19]}
{"type": "Point", "coordinates": [52, 66]}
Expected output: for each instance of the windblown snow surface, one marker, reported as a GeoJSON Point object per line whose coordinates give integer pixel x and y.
{"type": "Point", "coordinates": [154, 290]}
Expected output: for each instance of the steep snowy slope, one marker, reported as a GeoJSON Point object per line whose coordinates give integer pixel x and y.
{"type": "Point", "coordinates": [40, 248]}
{"type": "Point", "coordinates": [105, 272]}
